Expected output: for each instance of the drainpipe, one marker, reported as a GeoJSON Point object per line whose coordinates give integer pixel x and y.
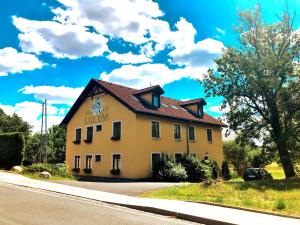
{"type": "Point", "coordinates": [187, 139]}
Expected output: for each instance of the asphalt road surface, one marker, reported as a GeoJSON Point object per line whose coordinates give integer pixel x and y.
{"type": "Point", "coordinates": [24, 206]}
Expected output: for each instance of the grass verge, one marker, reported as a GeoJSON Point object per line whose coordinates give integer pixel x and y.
{"type": "Point", "coordinates": [275, 196]}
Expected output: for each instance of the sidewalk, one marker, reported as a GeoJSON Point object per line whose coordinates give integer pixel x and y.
{"type": "Point", "coordinates": [196, 212]}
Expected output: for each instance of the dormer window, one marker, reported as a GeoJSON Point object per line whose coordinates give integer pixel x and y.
{"type": "Point", "coordinates": [155, 101]}
{"type": "Point", "coordinates": [200, 110]}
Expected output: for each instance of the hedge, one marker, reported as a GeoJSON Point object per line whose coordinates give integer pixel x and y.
{"type": "Point", "coordinates": [12, 147]}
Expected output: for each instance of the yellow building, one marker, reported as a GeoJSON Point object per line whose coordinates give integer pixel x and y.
{"type": "Point", "coordinates": [118, 131]}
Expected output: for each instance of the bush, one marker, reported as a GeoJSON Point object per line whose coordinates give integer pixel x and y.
{"type": "Point", "coordinates": [169, 170]}
{"type": "Point", "coordinates": [233, 174]}
{"type": "Point", "coordinates": [196, 171]}
{"type": "Point", "coordinates": [213, 166]}
{"type": "Point", "coordinates": [55, 170]}
{"type": "Point", "coordinates": [225, 170]}
{"type": "Point", "coordinates": [280, 205]}
{"type": "Point", "coordinates": [11, 149]}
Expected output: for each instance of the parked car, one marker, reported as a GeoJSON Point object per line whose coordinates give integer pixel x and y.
{"type": "Point", "coordinates": [257, 174]}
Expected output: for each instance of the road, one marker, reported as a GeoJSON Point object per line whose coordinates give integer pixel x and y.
{"type": "Point", "coordinates": [24, 206]}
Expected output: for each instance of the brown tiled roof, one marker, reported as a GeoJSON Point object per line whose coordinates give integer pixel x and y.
{"type": "Point", "coordinates": [152, 88]}
{"type": "Point", "coordinates": [173, 109]}
{"type": "Point", "coordinates": [189, 102]}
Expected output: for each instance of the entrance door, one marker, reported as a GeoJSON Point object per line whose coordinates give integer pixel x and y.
{"type": "Point", "coordinates": [155, 163]}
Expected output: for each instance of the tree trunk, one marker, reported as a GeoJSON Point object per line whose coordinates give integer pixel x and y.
{"type": "Point", "coordinates": [285, 160]}
{"type": "Point", "coordinates": [281, 141]}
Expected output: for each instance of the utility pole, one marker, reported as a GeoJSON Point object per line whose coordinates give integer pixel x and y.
{"type": "Point", "coordinates": [42, 137]}
{"type": "Point", "coordinates": [44, 130]}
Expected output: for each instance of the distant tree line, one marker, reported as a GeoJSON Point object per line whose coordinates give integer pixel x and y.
{"type": "Point", "coordinates": [31, 153]}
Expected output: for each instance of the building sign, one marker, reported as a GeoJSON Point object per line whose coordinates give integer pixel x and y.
{"type": "Point", "coordinates": [97, 114]}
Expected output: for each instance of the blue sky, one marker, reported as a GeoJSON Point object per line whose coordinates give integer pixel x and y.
{"type": "Point", "coordinates": [52, 48]}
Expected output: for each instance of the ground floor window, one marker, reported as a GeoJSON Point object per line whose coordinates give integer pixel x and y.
{"type": "Point", "coordinates": [88, 164]}
{"type": "Point", "coordinates": [76, 164]}
{"type": "Point", "coordinates": [155, 159]}
{"type": "Point", "coordinates": [178, 157]}
{"type": "Point", "coordinates": [116, 164]}
{"type": "Point", "coordinates": [97, 158]}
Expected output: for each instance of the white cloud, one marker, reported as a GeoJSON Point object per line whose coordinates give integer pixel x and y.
{"type": "Point", "coordinates": [12, 61]}
{"type": "Point", "coordinates": [141, 76]}
{"type": "Point", "coordinates": [31, 112]}
{"type": "Point", "coordinates": [221, 31]}
{"type": "Point", "coordinates": [129, 58]}
{"type": "Point", "coordinates": [68, 40]}
{"type": "Point", "coordinates": [202, 53]}
{"type": "Point", "coordinates": [54, 95]}
{"type": "Point", "coordinates": [126, 19]}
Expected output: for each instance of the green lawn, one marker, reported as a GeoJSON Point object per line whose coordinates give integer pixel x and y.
{"type": "Point", "coordinates": [277, 196]}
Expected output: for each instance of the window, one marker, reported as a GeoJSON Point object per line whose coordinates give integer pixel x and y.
{"type": "Point", "coordinates": [178, 157]}
{"type": "Point", "coordinates": [177, 132]}
{"type": "Point", "coordinates": [76, 164]}
{"type": "Point", "coordinates": [200, 110]}
{"type": "Point", "coordinates": [77, 136]}
{"type": "Point", "coordinates": [98, 128]}
{"type": "Point", "coordinates": [155, 129]}
{"type": "Point", "coordinates": [89, 134]}
{"type": "Point", "coordinates": [191, 133]}
{"type": "Point", "coordinates": [116, 131]}
{"type": "Point", "coordinates": [209, 135]}
{"type": "Point", "coordinates": [88, 164]}
{"type": "Point", "coordinates": [116, 162]}
{"type": "Point", "coordinates": [97, 158]}
{"type": "Point", "coordinates": [155, 160]}
{"type": "Point", "coordinates": [155, 101]}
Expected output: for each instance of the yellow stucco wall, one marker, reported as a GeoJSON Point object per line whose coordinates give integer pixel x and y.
{"type": "Point", "coordinates": [136, 144]}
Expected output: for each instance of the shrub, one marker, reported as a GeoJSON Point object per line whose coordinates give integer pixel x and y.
{"type": "Point", "coordinates": [55, 170]}
{"type": "Point", "coordinates": [233, 174]}
{"type": "Point", "coordinates": [11, 149]}
{"type": "Point", "coordinates": [196, 171]}
{"type": "Point", "coordinates": [169, 170]}
{"type": "Point", "coordinates": [213, 166]}
{"type": "Point", "coordinates": [280, 205]}
{"type": "Point", "coordinates": [225, 170]}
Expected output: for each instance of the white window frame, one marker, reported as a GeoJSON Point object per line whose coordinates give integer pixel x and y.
{"type": "Point", "coordinates": [180, 139]}
{"type": "Point", "coordinates": [121, 127]}
{"type": "Point", "coordinates": [151, 157]}
{"type": "Point", "coordinates": [159, 129]}
{"type": "Point", "coordinates": [96, 127]}
{"type": "Point", "coordinates": [112, 161]}
{"type": "Point", "coordinates": [100, 157]}
{"type": "Point", "coordinates": [194, 133]}
{"type": "Point", "coordinates": [76, 128]}
{"type": "Point", "coordinates": [91, 161]}
{"type": "Point", "coordinates": [86, 131]}
{"type": "Point", "coordinates": [211, 135]}
{"type": "Point", "coordinates": [74, 165]}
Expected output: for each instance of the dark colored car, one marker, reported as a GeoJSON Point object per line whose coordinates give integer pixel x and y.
{"type": "Point", "coordinates": [257, 174]}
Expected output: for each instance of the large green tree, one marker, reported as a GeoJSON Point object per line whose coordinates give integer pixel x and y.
{"type": "Point", "coordinates": [13, 123]}
{"type": "Point", "coordinates": [259, 81]}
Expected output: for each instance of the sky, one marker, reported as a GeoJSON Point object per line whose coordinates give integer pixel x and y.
{"type": "Point", "coordinates": [50, 49]}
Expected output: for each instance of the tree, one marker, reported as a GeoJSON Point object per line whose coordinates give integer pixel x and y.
{"type": "Point", "coordinates": [258, 80]}
{"type": "Point", "coordinates": [57, 144]}
{"type": "Point", "coordinates": [13, 123]}
{"type": "Point", "coordinates": [32, 149]}
{"type": "Point", "coordinates": [236, 155]}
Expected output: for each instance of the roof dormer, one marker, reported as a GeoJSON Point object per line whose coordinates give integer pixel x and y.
{"type": "Point", "coordinates": [150, 97]}
{"type": "Point", "coordinates": [195, 106]}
